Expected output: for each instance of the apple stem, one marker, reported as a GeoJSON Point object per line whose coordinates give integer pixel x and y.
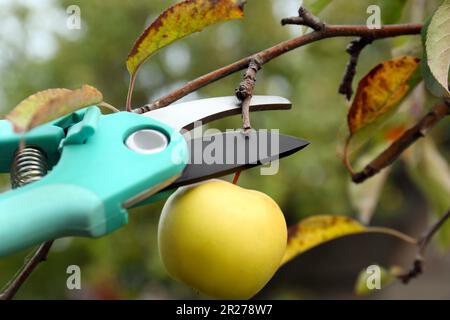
{"type": "Point", "coordinates": [236, 177]}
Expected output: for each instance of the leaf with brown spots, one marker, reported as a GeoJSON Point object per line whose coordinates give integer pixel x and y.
{"type": "Point", "coordinates": [51, 104]}
{"type": "Point", "coordinates": [179, 21]}
{"type": "Point", "coordinates": [316, 230]}
{"type": "Point", "coordinates": [381, 91]}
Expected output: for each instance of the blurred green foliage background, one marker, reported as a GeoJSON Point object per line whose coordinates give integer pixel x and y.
{"type": "Point", "coordinates": [37, 52]}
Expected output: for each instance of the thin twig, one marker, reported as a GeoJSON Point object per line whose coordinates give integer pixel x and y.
{"type": "Point", "coordinates": [108, 106]}
{"type": "Point", "coordinates": [425, 240]}
{"type": "Point", "coordinates": [40, 255]}
{"type": "Point", "coordinates": [388, 156]}
{"type": "Point", "coordinates": [305, 18]}
{"type": "Point", "coordinates": [130, 92]}
{"type": "Point", "coordinates": [394, 233]}
{"type": "Point", "coordinates": [245, 90]}
{"type": "Point", "coordinates": [418, 264]}
{"type": "Point", "coordinates": [354, 49]}
{"type": "Point", "coordinates": [329, 31]}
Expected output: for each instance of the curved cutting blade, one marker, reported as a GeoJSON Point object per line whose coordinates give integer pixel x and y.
{"type": "Point", "coordinates": [225, 153]}
{"type": "Point", "coordinates": [184, 115]}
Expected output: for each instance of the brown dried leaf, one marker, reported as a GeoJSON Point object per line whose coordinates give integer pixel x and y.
{"type": "Point", "coordinates": [51, 104]}
{"type": "Point", "coordinates": [381, 91]}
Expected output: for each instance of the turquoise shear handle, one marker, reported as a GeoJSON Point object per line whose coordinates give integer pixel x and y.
{"type": "Point", "coordinates": [41, 214]}
{"type": "Point", "coordinates": [85, 192]}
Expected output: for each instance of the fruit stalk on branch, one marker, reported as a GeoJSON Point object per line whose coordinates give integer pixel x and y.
{"type": "Point", "coordinates": [245, 90]}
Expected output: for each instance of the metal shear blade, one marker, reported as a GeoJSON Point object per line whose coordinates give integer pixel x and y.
{"type": "Point", "coordinates": [235, 151]}
{"type": "Point", "coordinates": [184, 115]}
{"type": "Point", "coordinates": [254, 149]}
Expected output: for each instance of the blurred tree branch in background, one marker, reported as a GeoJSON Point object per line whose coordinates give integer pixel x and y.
{"type": "Point", "coordinates": [424, 241]}
{"type": "Point", "coordinates": [322, 31]}
{"type": "Point", "coordinates": [393, 152]}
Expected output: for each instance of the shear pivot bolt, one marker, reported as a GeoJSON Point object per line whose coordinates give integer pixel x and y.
{"type": "Point", "coordinates": [147, 141]}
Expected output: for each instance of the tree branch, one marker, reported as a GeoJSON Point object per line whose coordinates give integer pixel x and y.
{"type": "Point", "coordinates": [40, 255]}
{"type": "Point", "coordinates": [269, 54]}
{"type": "Point", "coordinates": [418, 264]}
{"type": "Point", "coordinates": [408, 138]}
{"type": "Point", "coordinates": [245, 90]}
{"type": "Point", "coordinates": [354, 49]}
{"type": "Point", "coordinates": [305, 18]}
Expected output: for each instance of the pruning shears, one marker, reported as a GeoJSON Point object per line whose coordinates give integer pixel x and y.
{"type": "Point", "coordinates": [78, 175]}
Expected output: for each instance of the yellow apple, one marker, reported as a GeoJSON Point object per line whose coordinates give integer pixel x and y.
{"type": "Point", "coordinates": [221, 239]}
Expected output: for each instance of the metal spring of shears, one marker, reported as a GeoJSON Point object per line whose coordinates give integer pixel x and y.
{"type": "Point", "coordinates": [29, 165]}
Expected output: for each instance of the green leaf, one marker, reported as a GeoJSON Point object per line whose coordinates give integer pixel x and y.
{"type": "Point", "coordinates": [51, 104]}
{"type": "Point", "coordinates": [436, 36]}
{"type": "Point", "coordinates": [407, 46]}
{"type": "Point", "coordinates": [364, 196]}
{"type": "Point", "coordinates": [392, 10]}
{"type": "Point", "coordinates": [316, 6]}
{"type": "Point", "coordinates": [179, 21]}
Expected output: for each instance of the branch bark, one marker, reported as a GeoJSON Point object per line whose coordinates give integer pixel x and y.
{"type": "Point", "coordinates": [418, 264]}
{"type": "Point", "coordinates": [329, 31]}
{"type": "Point", "coordinates": [305, 18]}
{"type": "Point", "coordinates": [354, 49]}
{"type": "Point", "coordinates": [245, 90]}
{"type": "Point", "coordinates": [387, 157]}
{"type": "Point", "coordinates": [40, 255]}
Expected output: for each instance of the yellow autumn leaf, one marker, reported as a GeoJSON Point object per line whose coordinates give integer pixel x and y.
{"type": "Point", "coordinates": [381, 91]}
{"type": "Point", "coordinates": [315, 230]}
{"type": "Point", "coordinates": [181, 20]}
{"type": "Point", "coordinates": [319, 229]}
{"type": "Point", "coordinates": [51, 104]}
